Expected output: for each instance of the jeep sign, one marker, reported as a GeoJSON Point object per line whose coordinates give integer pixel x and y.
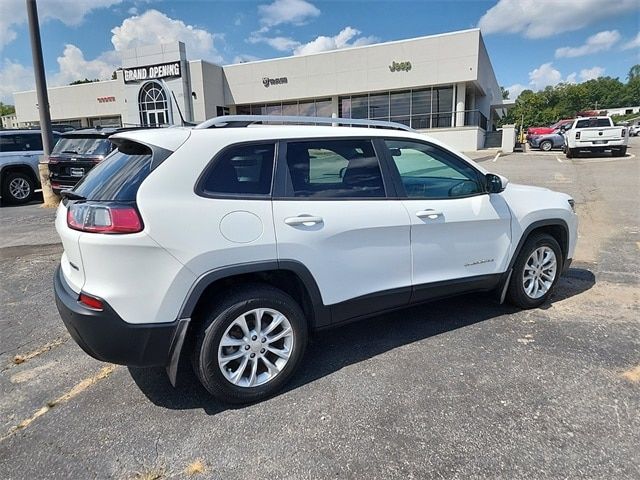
{"type": "Point", "coordinates": [400, 66]}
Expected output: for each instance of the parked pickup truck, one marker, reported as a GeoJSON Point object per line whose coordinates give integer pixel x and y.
{"type": "Point", "coordinates": [596, 134]}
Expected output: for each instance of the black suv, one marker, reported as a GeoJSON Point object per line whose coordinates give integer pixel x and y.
{"type": "Point", "coordinates": [77, 152]}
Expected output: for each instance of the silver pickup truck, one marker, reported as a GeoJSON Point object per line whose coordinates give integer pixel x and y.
{"type": "Point", "coordinates": [595, 134]}
{"type": "Point", "coordinates": [20, 152]}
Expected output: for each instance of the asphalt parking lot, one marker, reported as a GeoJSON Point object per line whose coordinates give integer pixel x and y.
{"type": "Point", "coordinates": [461, 388]}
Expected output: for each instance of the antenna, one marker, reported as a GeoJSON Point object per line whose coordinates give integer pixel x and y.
{"type": "Point", "coordinates": [182, 122]}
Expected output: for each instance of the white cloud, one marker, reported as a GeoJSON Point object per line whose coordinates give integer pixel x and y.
{"type": "Point", "coordinates": [14, 77]}
{"type": "Point", "coordinates": [515, 90]}
{"type": "Point", "coordinates": [341, 40]}
{"type": "Point", "coordinates": [154, 27]}
{"type": "Point", "coordinates": [347, 37]}
{"type": "Point", "coordinates": [73, 66]}
{"type": "Point", "coordinates": [544, 18]}
{"type": "Point", "coordinates": [296, 12]}
{"type": "Point", "coordinates": [244, 58]}
{"type": "Point", "coordinates": [591, 73]}
{"type": "Point", "coordinates": [543, 76]}
{"type": "Point", "coordinates": [635, 43]}
{"type": "Point", "coordinates": [282, 44]}
{"type": "Point", "coordinates": [599, 42]}
{"type": "Point", "coordinates": [546, 75]}
{"type": "Point", "coordinates": [13, 13]}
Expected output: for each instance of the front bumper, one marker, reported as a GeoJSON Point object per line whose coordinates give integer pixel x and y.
{"type": "Point", "coordinates": [106, 337]}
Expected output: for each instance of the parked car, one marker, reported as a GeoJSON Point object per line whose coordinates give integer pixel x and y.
{"type": "Point", "coordinates": [228, 246]}
{"type": "Point", "coordinates": [20, 152]}
{"type": "Point", "coordinates": [533, 131]}
{"type": "Point", "coordinates": [634, 130]}
{"type": "Point", "coordinates": [76, 153]}
{"type": "Point", "coordinates": [595, 134]}
{"type": "Point", "coordinates": [548, 141]}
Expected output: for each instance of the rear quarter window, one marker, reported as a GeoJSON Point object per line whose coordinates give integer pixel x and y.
{"type": "Point", "coordinates": [118, 177]}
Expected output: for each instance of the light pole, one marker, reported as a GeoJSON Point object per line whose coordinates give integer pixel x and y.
{"type": "Point", "coordinates": [50, 199]}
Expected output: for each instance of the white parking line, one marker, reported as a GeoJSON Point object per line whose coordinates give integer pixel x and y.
{"type": "Point", "coordinates": [558, 159]}
{"type": "Point", "coordinates": [496, 157]}
{"type": "Point", "coordinates": [583, 161]}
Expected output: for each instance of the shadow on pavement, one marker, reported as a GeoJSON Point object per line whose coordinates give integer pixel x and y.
{"type": "Point", "coordinates": [331, 350]}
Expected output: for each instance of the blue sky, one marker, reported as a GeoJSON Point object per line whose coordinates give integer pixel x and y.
{"type": "Point", "coordinates": [532, 43]}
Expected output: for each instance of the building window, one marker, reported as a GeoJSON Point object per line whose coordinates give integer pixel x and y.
{"type": "Point", "coordinates": [419, 109]}
{"type": "Point", "coordinates": [320, 107]}
{"type": "Point", "coordinates": [153, 105]}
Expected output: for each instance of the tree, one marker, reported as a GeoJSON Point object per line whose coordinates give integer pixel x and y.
{"type": "Point", "coordinates": [505, 93]}
{"type": "Point", "coordinates": [6, 109]}
{"type": "Point", "coordinates": [86, 80]}
{"type": "Point", "coordinates": [565, 100]}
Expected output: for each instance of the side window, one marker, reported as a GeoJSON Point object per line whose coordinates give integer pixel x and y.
{"type": "Point", "coordinates": [240, 170]}
{"type": "Point", "coordinates": [427, 171]}
{"type": "Point", "coordinates": [8, 143]}
{"type": "Point", "coordinates": [32, 142]}
{"type": "Point", "coordinates": [329, 169]}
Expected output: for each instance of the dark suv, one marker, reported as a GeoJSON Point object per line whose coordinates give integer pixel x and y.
{"type": "Point", "coordinates": [76, 153]}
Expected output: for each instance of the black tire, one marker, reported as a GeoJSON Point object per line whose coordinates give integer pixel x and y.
{"type": "Point", "coordinates": [619, 152]}
{"type": "Point", "coordinates": [219, 315]}
{"type": "Point", "coordinates": [25, 180]}
{"type": "Point", "coordinates": [571, 152]}
{"type": "Point", "coordinates": [516, 293]}
{"type": "Point", "coordinates": [546, 145]}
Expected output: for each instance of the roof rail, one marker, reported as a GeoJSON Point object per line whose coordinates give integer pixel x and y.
{"type": "Point", "coordinates": [231, 121]}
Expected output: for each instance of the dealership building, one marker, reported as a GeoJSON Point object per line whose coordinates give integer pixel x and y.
{"type": "Point", "coordinates": [443, 85]}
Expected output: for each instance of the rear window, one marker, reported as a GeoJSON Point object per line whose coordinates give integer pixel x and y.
{"type": "Point", "coordinates": [117, 177]}
{"type": "Point", "coordinates": [593, 123]}
{"type": "Point", "coordinates": [89, 146]}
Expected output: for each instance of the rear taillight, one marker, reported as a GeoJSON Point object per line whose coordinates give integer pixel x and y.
{"type": "Point", "coordinates": [98, 218]}
{"type": "Point", "coordinates": [577, 135]}
{"type": "Point", "coordinates": [91, 302]}
{"type": "Point", "coordinates": [624, 132]}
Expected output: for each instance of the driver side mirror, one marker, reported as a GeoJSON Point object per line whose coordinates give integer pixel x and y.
{"type": "Point", "coordinates": [496, 183]}
{"type": "Point", "coordinates": [563, 128]}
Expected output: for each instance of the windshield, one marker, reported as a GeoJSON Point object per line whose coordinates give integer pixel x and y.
{"type": "Point", "coordinates": [90, 146]}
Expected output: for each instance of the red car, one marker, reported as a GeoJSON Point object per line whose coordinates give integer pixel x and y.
{"type": "Point", "coordinates": [547, 130]}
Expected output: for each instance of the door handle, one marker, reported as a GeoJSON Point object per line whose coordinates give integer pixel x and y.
{"type": "Point", "coordinates": [307, 220]}
{"type": "Point", "coordinates": [429, 213]}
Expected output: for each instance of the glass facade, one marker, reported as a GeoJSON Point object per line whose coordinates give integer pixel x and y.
{"type": "Point", "coordinates": [430, 107]}
{"type": "Point", "coordinates": [306, 108]}
{"type": "Point", "coordinates": [418, 108]}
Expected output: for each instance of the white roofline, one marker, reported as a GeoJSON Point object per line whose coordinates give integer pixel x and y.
{"type": "Point", "coordinates": [327, 52]}
{"type": "Point", "coordinates": [67, 86]}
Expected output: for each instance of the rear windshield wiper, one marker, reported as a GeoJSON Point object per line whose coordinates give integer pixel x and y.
{"type": "Point", "coordinates": [69, 151]}
{"type": "Point", "coordinates": [70, 195]}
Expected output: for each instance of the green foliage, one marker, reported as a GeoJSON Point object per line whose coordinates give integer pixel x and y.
{"type": "Point", "coordinates": [86, 80]}
{"type": "Point", "coordinates": [634, 72]}
{"type": "Point", "coordinates": [565, 100]}
{"type": "Point", "coordinates": [6, 109]}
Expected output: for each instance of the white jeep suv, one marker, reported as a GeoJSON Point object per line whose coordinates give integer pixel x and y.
{"type": "Point", "coordinates": [230, 242]}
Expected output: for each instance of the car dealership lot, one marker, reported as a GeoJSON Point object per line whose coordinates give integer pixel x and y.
{"type": "Point", "coordinates": [458, 388]}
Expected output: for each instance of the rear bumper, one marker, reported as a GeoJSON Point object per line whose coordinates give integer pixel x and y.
{"type": "Point", "coordinates": [106, 337]}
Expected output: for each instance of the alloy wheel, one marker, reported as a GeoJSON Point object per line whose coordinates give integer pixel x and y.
{"type": "Point", "coordinates": [19, 188]}
{"type": "Point", "coordinates": [539, 272]}
{"type": "Point", "coordinates": [256, 347]}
